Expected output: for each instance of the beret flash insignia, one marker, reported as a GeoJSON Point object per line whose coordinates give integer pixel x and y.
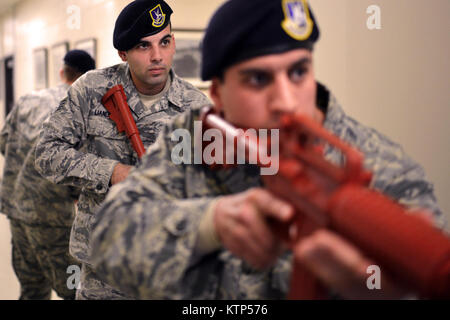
{"type": "Point", "coordinates": [157, 15]}
{"type": "Point", "coordinates": [297, 22]}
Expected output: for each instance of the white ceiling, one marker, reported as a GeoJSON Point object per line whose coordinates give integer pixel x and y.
{"type": "Point", "coordinates": [6, 4]}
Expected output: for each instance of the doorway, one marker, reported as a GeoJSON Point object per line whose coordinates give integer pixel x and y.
{"type": "Point", "coordinates": [9, 84]}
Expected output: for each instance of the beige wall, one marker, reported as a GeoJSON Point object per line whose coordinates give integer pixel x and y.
{"type": "Point", "coordinates": [395, 79]}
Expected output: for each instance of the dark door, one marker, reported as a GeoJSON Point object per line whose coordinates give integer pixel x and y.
{"type": "Point", "coordinates": [9, 83]}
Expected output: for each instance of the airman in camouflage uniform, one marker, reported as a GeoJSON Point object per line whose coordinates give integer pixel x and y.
{"type": "Point", "coordinates": [81, 146]}
{"type": "Point", "coordinates": [40, 212]}
{"type": "Point", "coordinates": [184, 231]}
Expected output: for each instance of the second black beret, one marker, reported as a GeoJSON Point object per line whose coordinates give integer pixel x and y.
{"type": "Point", "coordinates": [140, 18]}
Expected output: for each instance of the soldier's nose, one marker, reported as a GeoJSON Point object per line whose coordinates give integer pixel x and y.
{"type": "Point", "coordinates": [156, 55]}
{"type": "Point", "coordinates": [282, 96]}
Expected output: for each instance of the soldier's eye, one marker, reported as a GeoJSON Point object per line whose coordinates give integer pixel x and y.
{"type": "Point", "coordinates": [165, 42]}
{"type": "Point", "coordinates": [297, 73]}
{"type": "Point", "coordinates": [143, 45]}
{"type": "Point", "coordinates": [257, 79]}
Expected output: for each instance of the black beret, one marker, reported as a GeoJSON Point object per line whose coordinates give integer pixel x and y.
{"type": "Point", "coordinates": [240, 30]}
{"type": "Point", "coordinates": [79, 60]}
{"type": "Point", "coordinates": [139, 19]}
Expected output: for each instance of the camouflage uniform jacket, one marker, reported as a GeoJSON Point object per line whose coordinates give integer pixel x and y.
{"type": "Point", "coordinates": [21, 130]}
{"type": "Point", "coordinates": [145, 232]}
{"type": "Point", "coordinates": [80, 144]}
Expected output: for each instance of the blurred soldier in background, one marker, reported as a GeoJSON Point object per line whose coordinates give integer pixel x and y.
{"type": "Point", "coordinates": [40, 212]}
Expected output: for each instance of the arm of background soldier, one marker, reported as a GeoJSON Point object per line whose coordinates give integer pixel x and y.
{"type": "Point", "coordinates": [57, 154]}
{"type": "Point", "coordinates": [145, 233]}
{"type": "Point", "coordinates": [9, 127]}
{"type": "Point", "coordinates": [4, 136]}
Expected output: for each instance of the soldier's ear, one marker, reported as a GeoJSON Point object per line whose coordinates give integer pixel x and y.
{"type": "Point", "coordinates": [215, 94]}
{"type": "Point", "coordinates": [123, 55]}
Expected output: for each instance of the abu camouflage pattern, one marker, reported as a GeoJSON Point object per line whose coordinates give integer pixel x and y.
{"type": "Point", "coordinates": [91, 288]}
{"type": "Point", "coordinates": [145, 233]}
{"type": "Point", "coordinates": [40, 258]}
{"type": "Point", "coordinates": [39, 201]}
{"type": "Point", "coordinates": [40, 212]}
{"type": "Point", "coordinates": [80, 144]}
{"type": "Point", "coordinates": [17, 137]}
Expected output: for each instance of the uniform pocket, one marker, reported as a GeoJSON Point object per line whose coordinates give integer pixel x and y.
{"type": "Point", "coordinates": [104, 127]}
{"type": "Point", "coordinates": [104, 140]}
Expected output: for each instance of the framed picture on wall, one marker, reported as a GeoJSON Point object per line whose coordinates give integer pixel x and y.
{"type": "Point", "coordinates": [58, 51]}
{"type": "Point", "coordinates": [187, 59]}
{"type": "Point", "coordinates": [40, 57]}
{"type": "Point", "coordinates": [89, 45]}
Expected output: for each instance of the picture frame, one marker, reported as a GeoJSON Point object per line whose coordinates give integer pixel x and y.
{"type": "Point", "coordinates": [187, 59]}
{"type": "Point", "coordinates": [40, 67]}
{"type": "Point", "coordinates": [89, 45]}
{"type": "Point", "coordinates": [58, 51]}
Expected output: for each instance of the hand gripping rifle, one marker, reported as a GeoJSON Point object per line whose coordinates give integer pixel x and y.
{"type": "Point", "coordinates": [338, 198]}
{"type": "Point", "coordinates": [115, 101]}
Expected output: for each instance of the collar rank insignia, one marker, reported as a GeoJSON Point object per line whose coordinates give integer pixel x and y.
{"type": "Point", "coordinates": [158, 17]}
{"type": "Point", "coordinates": [297, 22]}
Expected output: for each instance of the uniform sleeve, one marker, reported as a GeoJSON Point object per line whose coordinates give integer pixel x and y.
{"type": "Point", "coordinates": [145, 233]}
{"type": "Point", "coordinates": [10, 150]}
{"type": "Point", "coordinates": [404, 180]}
{"type": "Point", "coordinates": [58, 154]}
{"type": "Point", "coordinates": [8, 129]}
